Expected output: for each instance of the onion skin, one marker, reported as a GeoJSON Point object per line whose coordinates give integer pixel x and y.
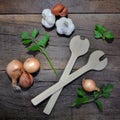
{"type": "Point", "coordinates": [59, 10]}
{"type": "Point", "coordinates": [31, 65]}
{"type": "Point", "coordinates": [26, 80]}
{"type": "Point", "coordinates": [89, 85]}
{"type": "Point", "coordinates": [14, 70]}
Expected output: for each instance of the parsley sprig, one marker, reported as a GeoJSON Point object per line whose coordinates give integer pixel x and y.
{"type": "Point", "coordinates": [101, 32]}
{"type": "Point", "coordinates": [84, 98]}
{"type": "Point", "coordinates": [34, 44]}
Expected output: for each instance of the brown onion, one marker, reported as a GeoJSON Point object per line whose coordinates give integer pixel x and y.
{"type": "Point", "coordinates": [14, 70]}
{"type": "Point", "coordinates": [31, 65]}
{"type": "Point", "coordinates": [89, 85]}
{"type": "Point", "coordinates": [59, 10]}
{"type": "Point", "coordinates": [26, 80]}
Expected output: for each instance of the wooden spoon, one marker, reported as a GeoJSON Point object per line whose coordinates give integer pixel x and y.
{"type": "Point", "coordinates": [78, 48]}
{"type": "Point", "coordinates": [94, 63]}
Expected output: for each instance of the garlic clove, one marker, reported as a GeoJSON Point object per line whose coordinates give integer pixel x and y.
{"type": "Point", "coordinates": [26, 80]}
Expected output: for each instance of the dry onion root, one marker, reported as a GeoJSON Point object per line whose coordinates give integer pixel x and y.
{"type": "Point", "coordinates": [19, 71]}
{"type": "Point", "coordinates": [14, 70]}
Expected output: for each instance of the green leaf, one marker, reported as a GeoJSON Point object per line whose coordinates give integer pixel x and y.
{"type": "Point", "coordinates": [27, 41]}
{"type": "Point", "coordinates": [107, 88]}
{"type": "Point", "coordinates": [79, 101]}
{"type": "Point", "coordinates": [96, 94]}
{"type": "Point", "coordinates": [106, 95]}
{"type": "Point", "coordinates": [101, 32]}
{"type": "Point", "coordinates": [33, 48]}
{"type": "Point", "coordinates": [35, 33]}
{"type": "Point", "coordinates": [25, 35]}
{"type": "Point", "coordinates": [81, 92]}
{"type": "Point", "coordinates": [109, 35]}
{"type": "Point", "coordinates": [44, 41]}
{"type": "Point", "coordinates": [98, 35]}
{"type": "Point", "coordinates": [101, 29]}
{"type": "Point", "coordinates": [99, 104]}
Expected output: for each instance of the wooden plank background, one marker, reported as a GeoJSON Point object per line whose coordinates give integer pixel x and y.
{"type": "Point", "coordinates": [75, 6]}
{"type": "Point", "coordinates": [17, 16]}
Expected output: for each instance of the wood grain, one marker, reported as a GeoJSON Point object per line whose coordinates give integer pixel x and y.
{"type": "Point", "coordinates": [13, 25]}
{"type": "Point", "coordinates": [17, 16]}
{"type": "Point", "coordinates": [74, 6]}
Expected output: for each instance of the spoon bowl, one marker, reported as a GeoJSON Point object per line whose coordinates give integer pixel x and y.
{"type": "Point", "coordinates": [78, 46]}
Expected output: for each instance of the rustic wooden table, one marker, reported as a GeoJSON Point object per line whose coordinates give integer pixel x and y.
{"type": "Point", "coordinates": [17, 16]}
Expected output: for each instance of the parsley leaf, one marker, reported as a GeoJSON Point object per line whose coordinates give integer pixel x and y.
{"type": "Point", "coordinates": [109, 35]}
{"type": "Point", "coordinates": [34, 44]}
{"type": "Point", "coordinates": [101, 32]}
{"type": "Point", "coordinates": [107, 88]}
{"type": "Point", "coordinates": [27, 41]}
{"type": "Point", "coordinates": [106, 95]}
{"type": "Point", "coordinates": [96, 94]}
{"type": "Point", "coordinates": [101, 29]}
{"type": "Point", "coordinates": [97, 34]}
{"type": "Point", "coordinates": [44, 41]}
{"type": "Point", "coordinates": [33, 48]}
{"type": "Point", "coordinates": [99, 104]}
{"type": "Point", "coordinates": [84, 98]}
{"type": "Point", "coordinates": [25, 35]}
{"type": "Point", "coordinates": [35, 33]}
{"type": "Point", "coordinates": [80, 92]}
{"type": "Point", "coordinates": [79, 101]}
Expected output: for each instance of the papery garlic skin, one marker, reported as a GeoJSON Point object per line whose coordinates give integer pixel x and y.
{"type": "Point", "coordinates": [48, 18]}
{"type": "Point", "coordinates": [65, 26]}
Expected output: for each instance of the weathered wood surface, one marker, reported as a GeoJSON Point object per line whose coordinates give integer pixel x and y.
{"type": "Point", "coordinates": [75, 6]}
{"type": "Point", "coordinates": [17, 106]}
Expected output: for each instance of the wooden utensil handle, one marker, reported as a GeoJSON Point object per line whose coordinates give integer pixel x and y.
{"type": "Point", "coordinates": [56, 87]}
{"type": "Point", "coordinates": [54, 97]}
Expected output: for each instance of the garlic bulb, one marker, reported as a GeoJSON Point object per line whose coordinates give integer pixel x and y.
{"type": "Point", "coordinates": [65, 26]}
{"type": "Point", "coordinates": [48, 18]}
